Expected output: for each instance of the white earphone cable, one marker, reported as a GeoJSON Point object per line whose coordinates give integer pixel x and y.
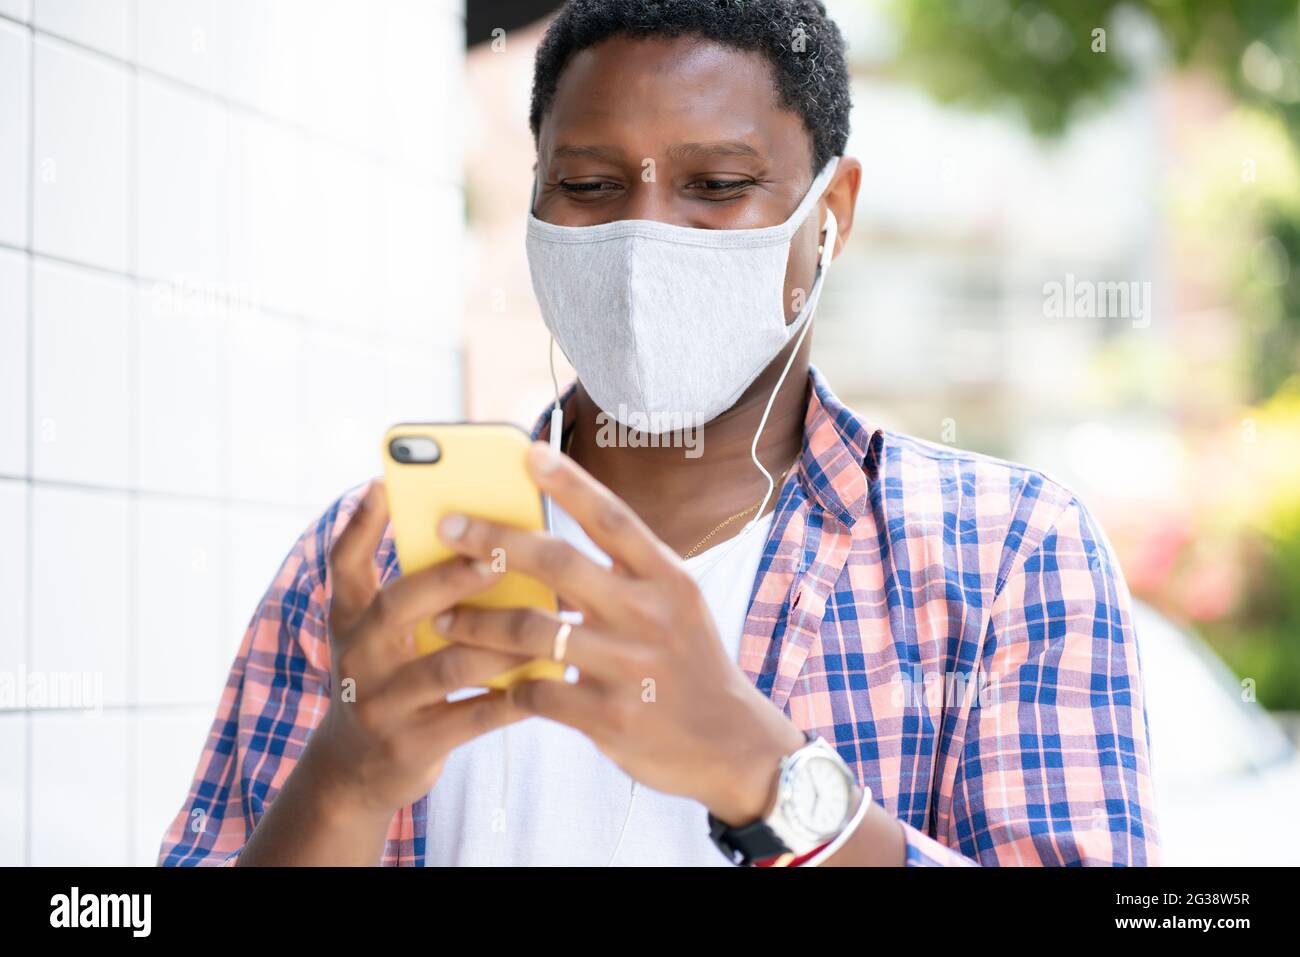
{"type": "Point", "coordinates": [827, 250]}
{"type": "Point", "coordinates": [828, 247]}
{"type": "Point", "coordinates": [557, 422]}
{"type": "Point", "coordinates": [622, 831]}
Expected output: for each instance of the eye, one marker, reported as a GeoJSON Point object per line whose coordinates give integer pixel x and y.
{"type": "Point", "coordinates": [588, 189]}
{"type": "Point", "coordinates": [719, 189]}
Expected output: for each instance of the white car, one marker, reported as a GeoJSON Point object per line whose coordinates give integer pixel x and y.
{"type": "Point", "coordinates": [1226, 777]}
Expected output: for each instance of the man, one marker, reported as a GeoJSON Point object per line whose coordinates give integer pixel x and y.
{"type": "Point", "coordinates": [815, 642]}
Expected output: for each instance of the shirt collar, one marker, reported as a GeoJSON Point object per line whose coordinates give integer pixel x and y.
{"type": "Point", "coordinates": [841, 451]}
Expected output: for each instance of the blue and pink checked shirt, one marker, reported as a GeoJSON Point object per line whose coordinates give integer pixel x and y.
{"type": "Point", "coordinates": [956, 625]}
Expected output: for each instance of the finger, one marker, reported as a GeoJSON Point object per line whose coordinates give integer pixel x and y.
{"type": "Point", "coordinates": [577, 705]}
{"type": "Point", "coordinates": [605, 517]}
{"type": "Point", "coordinates": [429, 679]}
{"type": "Point", "coordinates": [552, 561]}
{"type": "Point", "coordinates": [529, 632]}
{"type": "Point", "coordinates": [384, 639]}
{"type": "Point", "coordinates": [399, 605]}
{"type": "Point", "coordinates": [454, 724]}
{"type": "Point", "coordinates": [354, 575]}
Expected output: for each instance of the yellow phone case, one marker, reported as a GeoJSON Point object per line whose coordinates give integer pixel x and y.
{"type": "Point", "coordinates": [480, 471]}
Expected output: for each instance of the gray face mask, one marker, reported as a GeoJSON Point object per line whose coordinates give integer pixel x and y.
{"type": "Point", "coordinates": [668, 325]}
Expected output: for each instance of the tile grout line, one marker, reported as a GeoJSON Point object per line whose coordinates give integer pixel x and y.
{"type": "Point", "coordinates": [193, 498]}
{"type": "Point", "coordinates": [378, 160]}
{"type": "Point", "coordinates": [29, 498]}
{"type": "Point", "coordinates": [191, 707]}
{"type": "Point", "coordinates": [311, 135]}
{"type": "Point", "coordinates": [132, 439]}
{"type": "Point", "coordinates": [308, 321]}
{"type": "Point", "coordinates": [132, 709]}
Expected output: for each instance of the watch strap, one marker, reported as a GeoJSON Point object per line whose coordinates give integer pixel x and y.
{"type": "Point", "coordinates": [748, 844]}
{"type": "Point", "coordinates": [754, 842]}
{"type": "Point", "coordinates": [789, 860]}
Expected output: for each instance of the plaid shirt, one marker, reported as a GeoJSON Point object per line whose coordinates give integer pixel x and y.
{"type": "Point", "coordinates": [956, 625]}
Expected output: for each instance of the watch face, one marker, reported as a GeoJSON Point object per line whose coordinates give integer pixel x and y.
{"type": "Point", "coordinates": [821, 795]}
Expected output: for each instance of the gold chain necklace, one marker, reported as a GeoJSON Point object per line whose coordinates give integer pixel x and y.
{"type": "Point", "coordinates": [724, 524]}
{"type": "Point", "coordinates": [568, 442]}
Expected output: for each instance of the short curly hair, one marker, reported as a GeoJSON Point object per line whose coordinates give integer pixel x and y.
{"type": "Point", "coordinates": [801, 42]}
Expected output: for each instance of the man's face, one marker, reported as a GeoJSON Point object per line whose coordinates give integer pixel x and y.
{"type": "Point", "coordinates": [682, 131]}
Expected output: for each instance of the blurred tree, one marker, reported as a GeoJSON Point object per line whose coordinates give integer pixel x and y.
{"type": "Point", "coordinates": [1261, 638]}
{"type": "Point", "coordinates": [1053, 58]}
{"type": "Point", "coordinates": [1053, 61]}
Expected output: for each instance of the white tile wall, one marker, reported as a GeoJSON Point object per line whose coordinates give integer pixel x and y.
{"type": "Point", "coordinates": [80, 786]}
{"type": "Point", "coordinates": [181, 388]}
{"type": "Point", "coordinates": [420, 381]}
{"type": "Point", "coordinates": [340, 62]}
{"type": "Point", "coordinates": [13, 362]}
{"type": "Point", "coordinates": [13, 789]}
{"type": "Point", "coordinates": [81, 577]}
{"type": "Point", "coordinates": [187, 40]}
{"type": "Point", "coordinates": [80, 375]}
{"type": "Point", "coordinates": [180, 621]}
{"type": "Point", "coordinates": [242, 264]}
{"type": "Point", "coordinates": [182, 191]}
{"type": "Point", "coordinates": [268, 213]}
{"type": "Point", "coordinates": [18, 9]}
{"type": "Point", "coordinates": [340, 195]}
{"type": "Point", "coordinates": [15, 114]}
{"type": "Point", "coordinates": [264, 72]}
{"type": "Point", "coordinates": [13, 585]}
{"type": "Point", "coordinates": [103, 25]}
{"type": "Point", "coordinates": [421, 292]}
{"type": "Point", "coordinates": [428, 132]}
{"type": "Point", "coordinates": [346, 427]}
{"type": "Point", "coordinates": [80, 155]}
{"type": "Point", "coordinates": [263, 404]}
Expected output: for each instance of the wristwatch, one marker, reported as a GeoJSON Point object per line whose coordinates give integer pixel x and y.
{"type": "Point", "coordinates": [815, 803]}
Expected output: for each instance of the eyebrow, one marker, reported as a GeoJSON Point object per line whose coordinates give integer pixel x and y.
{"type": "Point", "coordinates": [677, 150]}
{"type": "Point", "coordinates": [720, 148]}
{"type": "Point", "coordinates": [596, 151]}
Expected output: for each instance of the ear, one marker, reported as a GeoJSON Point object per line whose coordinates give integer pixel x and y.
{"type": "Point", "coordinates": [841, 197]}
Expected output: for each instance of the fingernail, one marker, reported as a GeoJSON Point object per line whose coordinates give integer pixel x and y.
{"type": "Point", "coordinates": [545, 458]}
{"type": "Point", "coordinates": [482, 568]}
{"type": "Point", "coordinates": [442, 621]}
{"type": "Point", "coordinates": [453, 526]}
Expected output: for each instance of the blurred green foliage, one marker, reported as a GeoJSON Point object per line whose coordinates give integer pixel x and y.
{"type": "Point", "coordinates": [1052, 62]}
{"type": "Point", "coordinates": [1047, 57]}
{"type": "Point", "coordinates": [1261, 639]}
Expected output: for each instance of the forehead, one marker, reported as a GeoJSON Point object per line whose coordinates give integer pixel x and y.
{"type": "Point", "coordinates": [645, 94]}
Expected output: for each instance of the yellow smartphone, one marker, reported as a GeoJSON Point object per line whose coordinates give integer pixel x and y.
{"type": "Point", "coordinates": [476, 469]}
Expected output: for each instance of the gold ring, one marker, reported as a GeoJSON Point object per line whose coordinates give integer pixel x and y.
{"type": "Point", "coordinates": [561, 643]}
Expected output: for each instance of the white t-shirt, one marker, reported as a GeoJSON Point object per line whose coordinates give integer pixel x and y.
{"type": "Point", "coordinates": [563, 802]}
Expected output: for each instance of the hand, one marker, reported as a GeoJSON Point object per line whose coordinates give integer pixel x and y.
{"type": "Point", "coordinates": [389, 727]}
{"type": "Point", "coordinates": [657, 692]}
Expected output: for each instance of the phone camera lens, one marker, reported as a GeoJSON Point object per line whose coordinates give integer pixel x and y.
{"type": "Point", "coordinates": [417, 450]}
